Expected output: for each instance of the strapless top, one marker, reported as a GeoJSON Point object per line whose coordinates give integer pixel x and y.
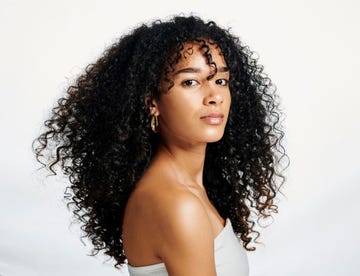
{"type": "Point", "coordinates": [230, 257]}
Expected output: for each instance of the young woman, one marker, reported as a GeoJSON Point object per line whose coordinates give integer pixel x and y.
{"type": "Point", "coordinates": [170, 140]}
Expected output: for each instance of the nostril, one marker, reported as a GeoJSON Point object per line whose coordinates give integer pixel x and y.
{"type": "Point", "coordinates": [212, 102]}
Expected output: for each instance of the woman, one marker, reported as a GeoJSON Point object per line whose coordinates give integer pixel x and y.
{"type": "Point", "coordinates": [170, 140]}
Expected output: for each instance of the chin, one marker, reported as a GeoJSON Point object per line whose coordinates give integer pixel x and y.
{"type": "Point", "coordinates": [214, 140]}
{"type": "Point", "coordinates": [214, 137]}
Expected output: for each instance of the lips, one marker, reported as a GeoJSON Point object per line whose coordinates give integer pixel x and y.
{"type": "Point", "coordinates": [213, 118]}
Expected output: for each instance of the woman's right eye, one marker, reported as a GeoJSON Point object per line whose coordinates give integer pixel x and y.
{"type": "Point", "coordinates": [189, 83]}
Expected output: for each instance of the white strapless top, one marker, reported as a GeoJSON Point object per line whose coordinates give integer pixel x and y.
{"type": "Point", "coordinates": [230, 257]}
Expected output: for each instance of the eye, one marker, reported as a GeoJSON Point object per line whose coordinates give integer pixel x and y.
{"type": "Point", "coordinates": [189, 83]}
{"type": "Point", "coordinates": [222, 82]}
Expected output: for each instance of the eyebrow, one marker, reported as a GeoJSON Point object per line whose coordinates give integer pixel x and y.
{"type": "Point", "coordinates": [197, 70]}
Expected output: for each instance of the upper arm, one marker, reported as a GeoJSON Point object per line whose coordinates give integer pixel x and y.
{"type": "Point", "coordinates": [187, 247]}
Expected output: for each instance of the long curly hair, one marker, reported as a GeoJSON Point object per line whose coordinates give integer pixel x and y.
{"type": "Point", "coordinates": [99, 132]}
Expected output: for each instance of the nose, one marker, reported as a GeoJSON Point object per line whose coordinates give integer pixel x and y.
{"type": "Point", "coordinates": [213, 96]}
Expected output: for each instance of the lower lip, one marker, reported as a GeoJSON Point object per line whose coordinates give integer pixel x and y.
{"type": "Point", "coordinates": [213, 120]}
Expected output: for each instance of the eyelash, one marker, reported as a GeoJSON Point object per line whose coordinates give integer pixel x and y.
{"type": "Point", "coordinates": [188, 83]}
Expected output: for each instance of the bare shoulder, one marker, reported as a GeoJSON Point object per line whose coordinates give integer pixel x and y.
{"type": "Point", "coordinates": [167, 203]}
{"type": "Point", "coordinates": [183, 229]}
{"type": "Point", "coordinates": [170, 224]}
{"type": "Point", "coordinates": [183, 210]}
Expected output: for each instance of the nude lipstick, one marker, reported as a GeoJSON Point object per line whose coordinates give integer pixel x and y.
{"type": "Point", "coordinates": [213, 118]}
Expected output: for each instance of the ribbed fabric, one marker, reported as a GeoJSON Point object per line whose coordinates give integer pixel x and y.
{"type": "Point", "coordinates": [230, 257]}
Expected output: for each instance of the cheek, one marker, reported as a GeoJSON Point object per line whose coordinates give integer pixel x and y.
{"type": "Point", "coordinates": [184, 103]}
{"type": "Point", "coordinates": [175, 112]}
{"type": "Point", "coordinates": [228, 99]}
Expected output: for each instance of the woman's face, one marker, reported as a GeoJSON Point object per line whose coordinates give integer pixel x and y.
{"type": "Point", "coordinates": [195, 109]}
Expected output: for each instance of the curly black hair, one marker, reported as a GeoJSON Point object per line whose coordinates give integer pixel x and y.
{"type": "Point", "coordinates": [99, 132]}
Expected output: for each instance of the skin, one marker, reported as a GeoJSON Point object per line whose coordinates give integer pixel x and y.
{"type": "Point", "coordinates": [170, 200]}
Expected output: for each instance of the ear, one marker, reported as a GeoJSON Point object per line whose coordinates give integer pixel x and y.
{"type": "Point", "coordinates": [152, 105]}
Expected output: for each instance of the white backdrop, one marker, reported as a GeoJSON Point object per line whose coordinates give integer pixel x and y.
{"type": "Point", "coordinates": [309, 48]}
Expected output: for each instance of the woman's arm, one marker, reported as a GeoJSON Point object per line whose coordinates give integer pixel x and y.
{"type": "Point", "coordinates": [187, 247]}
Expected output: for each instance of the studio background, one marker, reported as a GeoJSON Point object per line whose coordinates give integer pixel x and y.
{"type": "Point", "coordinates": [310, 49]}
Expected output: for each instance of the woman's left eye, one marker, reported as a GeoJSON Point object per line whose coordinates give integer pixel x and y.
{"type": "Point", "coordinates": [189, 83]}
{"type": "Point", "coordinates": [222, 82]}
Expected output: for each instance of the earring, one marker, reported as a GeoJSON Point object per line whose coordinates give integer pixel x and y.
{"type": "Point", "coordinates": [154, 123]}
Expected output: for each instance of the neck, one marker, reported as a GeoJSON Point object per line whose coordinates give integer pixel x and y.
{"type": "Point", "coordinates": [187, 162]}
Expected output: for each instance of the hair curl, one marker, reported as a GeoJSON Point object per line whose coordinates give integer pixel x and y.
{"type": "Point", "coordinates": [99, 134]}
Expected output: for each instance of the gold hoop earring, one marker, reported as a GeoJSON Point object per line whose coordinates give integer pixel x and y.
{"type": "Point", "coordinates": [154, 123]}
